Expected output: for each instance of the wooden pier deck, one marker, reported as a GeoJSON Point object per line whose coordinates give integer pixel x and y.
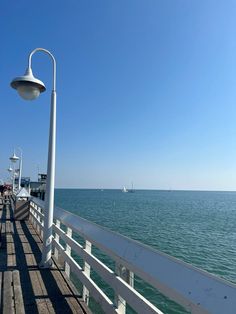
{"type": "Point", "coordinates": [24, 287]}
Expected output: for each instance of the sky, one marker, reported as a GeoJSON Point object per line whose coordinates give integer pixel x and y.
{"type": "Point", "coordinates": [146, 92]}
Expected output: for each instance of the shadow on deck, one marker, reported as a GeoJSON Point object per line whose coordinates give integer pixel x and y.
{"type": "Point", "coordinates": [24, 287]}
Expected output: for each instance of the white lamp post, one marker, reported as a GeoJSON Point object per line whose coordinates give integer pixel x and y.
{"type": "Point", "coordinates": [10, 170]}
{"type": "Point", "coordinates": [13, 159]}
{"type": "Point", "coordinates": [29, 88]}
{"type": "Point", "coordinates": [20, 168]}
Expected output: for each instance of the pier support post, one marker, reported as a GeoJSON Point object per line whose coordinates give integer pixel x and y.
{"type": "Point", "coordinates": [127, 276]}
{"type": "Point", "coordinates": [68, 251]}
{"type": "Point", "coordinates": [57, 239]}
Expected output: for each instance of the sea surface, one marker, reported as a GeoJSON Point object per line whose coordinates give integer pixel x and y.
{"type": "Point", "coordinates": [196, 227]}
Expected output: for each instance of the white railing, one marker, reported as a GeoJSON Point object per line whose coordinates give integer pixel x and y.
{"type": "Point", "coordinates": [196, 290]}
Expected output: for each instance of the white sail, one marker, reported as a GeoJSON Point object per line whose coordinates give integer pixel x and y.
{"type": "Point", "coordinates": [124, 189]}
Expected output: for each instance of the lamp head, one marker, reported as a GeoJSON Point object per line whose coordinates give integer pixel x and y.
{"type": "Point", "coordinates": [14, 158]}
{"type": "Point", "coordinates": [28, 86]}
{"type": "Point", "coordinates": [10, 169]}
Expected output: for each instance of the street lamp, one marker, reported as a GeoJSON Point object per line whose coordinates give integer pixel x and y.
{"type": "Point", "coordinates": [13, 159]}
{"type": "Point", "coordinates": [30, 88]}
{"type": "Point", "coordinates": [10, 170]}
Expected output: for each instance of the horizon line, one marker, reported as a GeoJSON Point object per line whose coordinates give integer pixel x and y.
{"type": "Point", "coordinates": [145, 189]}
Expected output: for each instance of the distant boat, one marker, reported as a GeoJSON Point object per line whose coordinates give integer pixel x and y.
{"type": "Point", "coordinates": [132, 189]}
{"type": "Point", "coordinates": [124, 190]}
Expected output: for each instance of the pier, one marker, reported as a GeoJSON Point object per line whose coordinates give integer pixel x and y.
{"type": "Point", "coordinates": [24, 287]}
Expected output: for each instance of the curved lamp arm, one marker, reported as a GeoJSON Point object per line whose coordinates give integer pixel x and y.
{"type": "Point", "coordinates": [53, 60]}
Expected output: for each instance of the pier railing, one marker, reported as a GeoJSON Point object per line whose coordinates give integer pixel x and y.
{"type": "Point", "coordinates": [196, 290]}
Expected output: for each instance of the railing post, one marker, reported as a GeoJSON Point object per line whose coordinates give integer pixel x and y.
{"type": "Point", "coordinates": [127, 276]}
{"type": "Point", "coordinates": [87, 248]}
{"type": "Point", "coordinates": [119, 301]}
{"type": "Point", "coordinates": [68, 251]}
{"type": "Point", "coordinates": [130, 278]}
{"type": "Point", "coordinates": [30, 216]}
{"type": "Point", "coordinates": [57, 239]}
{"type": "Point", "coordinates": [34, 214]}
{"type": "Point", "coordinates": [38, 219]}
{"type": "Point", "coordinates": [42, 221]}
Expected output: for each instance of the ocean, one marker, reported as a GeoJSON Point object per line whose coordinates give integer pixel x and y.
{"type": "Point", "coordinates": [196, 227]}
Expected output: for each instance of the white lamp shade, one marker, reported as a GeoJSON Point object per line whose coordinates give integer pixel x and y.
{"type": "Point", "coordinates": [14, 158]}
{"type": "Point", "coordinates": [28, 92]}
{"type": "Point", "coordinates": [28, 86]}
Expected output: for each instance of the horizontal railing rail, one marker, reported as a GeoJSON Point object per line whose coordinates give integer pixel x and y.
{"type": "Point", "coordinates": [196, 290]}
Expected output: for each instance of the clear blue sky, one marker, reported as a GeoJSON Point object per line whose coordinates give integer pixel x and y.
{"type": "Point", "coordinates": [146, 91]}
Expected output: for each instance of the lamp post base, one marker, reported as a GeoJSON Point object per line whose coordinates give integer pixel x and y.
{"type": "Point", "coordinates": [47, 264]}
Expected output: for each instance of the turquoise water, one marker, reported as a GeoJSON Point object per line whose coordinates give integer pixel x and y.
{"type": "Point", "coordinates": [196, 227]}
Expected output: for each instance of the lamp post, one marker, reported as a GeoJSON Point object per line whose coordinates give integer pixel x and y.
{"type": "Point", "coordinates": [29, 88]}
{"type": "Point", "coordinates": [13, 159]}
{"type": "Point", "coordinates": [20, 168]}
{"type": "Point", "coordinates": [10, 170]}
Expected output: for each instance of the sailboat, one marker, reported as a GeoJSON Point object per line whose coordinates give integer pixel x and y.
{"type": "Point", "coordinates": [124, 190]}
{"type": "Point", "coordinates": [132, 189]}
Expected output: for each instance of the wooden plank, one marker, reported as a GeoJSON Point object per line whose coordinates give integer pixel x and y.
{"type": "Point", "coordinates": [41, 291]}
{"type": "Point", "coordinates": [40, 300]}
{"type": "Point", "coordinates": [8, 227]}
{"type": "Point", "coordinates": [3, 242]}
{"type": "Point", "coordinates": [7, 212]}
{"type": "Point", "coordinates": [18, 298]}
{"type": "Point", "coordinates": [11, 257]}
{"type": "Point", "coordinates": [8, 306]}
{"type": "Point", "coordinates": [3, 228]}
